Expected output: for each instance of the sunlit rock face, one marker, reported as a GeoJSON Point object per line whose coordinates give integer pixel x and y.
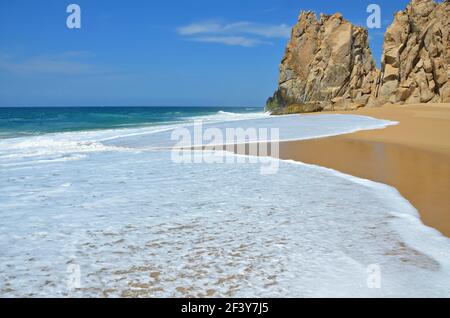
{"type": "Point", "coordinates": [416, 59]}
{"type": "Point", "coordinates": [327, 65]}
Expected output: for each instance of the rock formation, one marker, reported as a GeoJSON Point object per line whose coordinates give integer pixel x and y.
{"type": "Point", "coordinates": [416, 59]}
{"type": "Point", "coordinates": [328, 64]}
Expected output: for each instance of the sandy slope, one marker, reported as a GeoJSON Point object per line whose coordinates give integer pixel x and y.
{"type": "Point", "coordinates": [413, 156]}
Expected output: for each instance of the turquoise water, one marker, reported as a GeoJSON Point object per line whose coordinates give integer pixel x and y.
{"type": "Point", "coordinates": [31, 121]}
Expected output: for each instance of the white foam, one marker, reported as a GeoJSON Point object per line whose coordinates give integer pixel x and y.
{"type": "Point", "coordinates": [291, 127]}
{"type": "Point", "coordinates": [63, 144]}
{"type": "Point", "coordinates": [138, 224]}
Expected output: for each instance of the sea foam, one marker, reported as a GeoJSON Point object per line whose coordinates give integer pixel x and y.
{"type": "Point", "coordinates": [133, 223]}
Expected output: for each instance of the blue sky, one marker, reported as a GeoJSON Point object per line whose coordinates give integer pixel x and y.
{"type": "Point", "coordinates": [155, 53]}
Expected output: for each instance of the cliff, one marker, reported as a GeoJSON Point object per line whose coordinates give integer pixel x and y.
{"type": "Point", "coordinates": [328, 64]}
{"type": "Point", "coordinates": [416, 59]}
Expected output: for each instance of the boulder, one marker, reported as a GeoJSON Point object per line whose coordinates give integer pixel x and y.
{"type": "Point", "coordinates": [328, 64]}
{"type": "Point", "coordinates": [416, 59]}
{"type": "Point", "coordinates": [327, 60]}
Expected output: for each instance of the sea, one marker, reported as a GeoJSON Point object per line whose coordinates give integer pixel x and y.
{"type": "Point", "coordinates": [93, 204]}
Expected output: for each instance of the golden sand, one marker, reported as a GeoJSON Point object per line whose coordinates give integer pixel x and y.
{"type": "Point", "coordinates": [413, 157]}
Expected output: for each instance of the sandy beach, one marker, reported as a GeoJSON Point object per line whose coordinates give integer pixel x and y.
{"type": "Point", "coordinates": [135, 222]}
{"type": "Point", "coordinates": [413, 157]}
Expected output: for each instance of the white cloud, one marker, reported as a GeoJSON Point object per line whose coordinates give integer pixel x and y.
{"type": "Point", "coordinates": [230, 40]}
{"type": "Point", "coordinates": [199, 28]}
{"type": "Point", "coordinates": [269, 31]}
{"type": "Point", "coordinates": [246, 34]}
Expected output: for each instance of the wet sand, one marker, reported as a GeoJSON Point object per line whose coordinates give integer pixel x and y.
{"type": "Point", "coordinates": [413, 157]}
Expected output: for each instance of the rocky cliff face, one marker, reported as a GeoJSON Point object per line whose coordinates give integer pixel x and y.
{"type": "Point", "coordinates": [328, 64]}
{"type": "Point", "coordinates": [416, 59]}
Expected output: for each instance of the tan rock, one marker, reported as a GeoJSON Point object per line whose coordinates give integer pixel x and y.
{"type": "Point", "coordinates": [427, 66]}
{"type": "Point", "coordinates": [445, 98]}
{"type": "Point", "coordinates": [391, 73]}
{"type": "Point", "coordinates": [328, 63]}
{"type": "Point", "coordinates": [326, 60]}
{"type": "Point", "coordinates": [417, 50]}
{"type": "Point", "coordinates": [404, 93]}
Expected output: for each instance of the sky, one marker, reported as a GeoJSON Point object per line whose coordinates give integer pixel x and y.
{"type": "Point", "coordinates": [156, 53]}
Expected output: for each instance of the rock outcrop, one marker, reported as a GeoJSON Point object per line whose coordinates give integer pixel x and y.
{"type": "Point", "coordinates": [327, 65]}
{"type": "Point", "coordinates": [416, 59]}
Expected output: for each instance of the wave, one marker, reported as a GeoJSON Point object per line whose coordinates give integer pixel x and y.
{"type": "Point", "coordinates": [292, 127]}
{"type": "Point", "coordinates": [257, 114]}
{"type": "Point", "coordinates": [55, 147]}
{"type": "Point", "coordinates": [289, 127]}
{"type": "Point", "coordinates": [62, 158]}
{"type": "Point", "coordinates": [329, 237]}
{"type": "Point", "coordinates": [221, 112]}
{"type": "Point", "coordinates": [226, 116]}
{"type": "Point", "coordinates": [39, 150]}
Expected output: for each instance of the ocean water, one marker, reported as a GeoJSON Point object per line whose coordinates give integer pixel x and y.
{"type": "Point", "coordinates": [16, 122]}
{"type": "Point", "coordinates": [106, 207]}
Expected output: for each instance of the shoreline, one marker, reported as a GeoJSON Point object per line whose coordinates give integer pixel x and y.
{"type": "Point", "coordinates": [413, 156]}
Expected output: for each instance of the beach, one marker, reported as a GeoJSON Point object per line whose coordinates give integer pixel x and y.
{"type": "Point", "coordinates": [413, 156]}
{"type": "Point", "coordinates": [111, 212]}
